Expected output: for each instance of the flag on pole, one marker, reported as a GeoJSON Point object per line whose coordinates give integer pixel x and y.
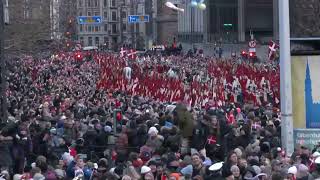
{"type": "Point", "coordinates": [133, 54]}
{"type": "Point", "coordinates": [272, 50]}
{"type": "Point", "coordinates": [123, 52]}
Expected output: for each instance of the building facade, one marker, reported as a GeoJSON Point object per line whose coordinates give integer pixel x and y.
{"type": "Point", "coordinates": [114, 31]}
{"type": "Point", "coordinates": [229, 21]}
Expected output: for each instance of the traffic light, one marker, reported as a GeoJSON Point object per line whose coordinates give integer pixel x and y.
{"type": "Point", "coordinates": [117, 119]}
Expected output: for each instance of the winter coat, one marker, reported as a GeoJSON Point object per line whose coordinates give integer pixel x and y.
{"type": "Point", "coordinates": [184, 119]}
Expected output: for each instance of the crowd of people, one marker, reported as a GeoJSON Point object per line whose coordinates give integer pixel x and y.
{"type": "Point", "coordinates": [153, 118]}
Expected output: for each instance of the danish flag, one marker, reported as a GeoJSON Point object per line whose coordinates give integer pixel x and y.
{"type": "Point", "coordinates": [132, 55]}
{"type": "Point", "coordinates": [211, 140]}
{"type": "Point", "coordinates": [123, 52]}
{"type": "Point", "coordinates": [272, 50]}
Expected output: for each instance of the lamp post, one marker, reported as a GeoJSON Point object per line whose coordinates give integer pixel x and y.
{"type": "Point", "coordinates": [285, 78]}
{"type": "Point", "coordinates": [3, 99]}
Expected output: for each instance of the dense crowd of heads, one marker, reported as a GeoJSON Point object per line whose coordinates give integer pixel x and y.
{"type": "Point", "coordinates": [62, 122]}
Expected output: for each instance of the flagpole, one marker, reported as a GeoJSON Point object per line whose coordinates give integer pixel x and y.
{"type": "Point", "coordinates": [285, 78]}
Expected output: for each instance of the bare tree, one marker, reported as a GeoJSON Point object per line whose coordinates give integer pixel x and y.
{"type": "Point", "coordinates": [30, 26]}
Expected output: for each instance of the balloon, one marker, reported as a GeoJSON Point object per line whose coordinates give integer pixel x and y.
{"type": "Point", "coordinates": [202, 6]}
{"type": "Point", "coordinates": [194, 4]}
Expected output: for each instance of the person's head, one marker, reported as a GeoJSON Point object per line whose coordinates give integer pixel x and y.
{"type": "Point", "coordinates": [214, 120]}
{"type": "Point", "coordinates": [196, 160]}
{"type": "Point", "coordinates": [80, 163]}
{"type": "Point", "coordinates": [153, 166]}
{"type": "Point", "coordinates": [232, 158]}
{"type": "Point", "coordinates": [235, 171]}
{"type": "Point", "coordinates": [148, 176]}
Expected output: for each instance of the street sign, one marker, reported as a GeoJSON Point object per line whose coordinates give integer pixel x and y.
{"type": "Point", "coordinates": [252, 44]}
{"type": "Point", "coordinates": [89, 19]}
{"type": "Point", "coordinates": [138, 18]}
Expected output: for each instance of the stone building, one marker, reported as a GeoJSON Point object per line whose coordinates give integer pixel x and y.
{"type": "Point", "coordinates": [229, 21]}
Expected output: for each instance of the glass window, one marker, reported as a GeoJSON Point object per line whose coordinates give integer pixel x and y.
{"type": "Point", "coordinates": [80, 13]}
{"type": "Point", "coordinates": [113, 3]}
{"type": "Point", "coordinates": [97, 40]}
{"type": "Point", "coordinates": [96, 3]}
{"type": "Point", "coordinates": [89, 28]}
{"type": "Point", "coordinates": [89, 3]}
{"type": "Point", "coordinates": [81, 28]}
{"type": "Point", "coordinates": [96, 28]}
{"type": "Point", "coordinates": [81, 40]}
{"type": "Point", "coordinates": [89, 13]}
{"type": "Point", "coordinates": [106, 27]}
{"type": "Point", "coordinates": [89, 41]}
{"type": "Point", "coordinates": [124, 27]}
{"type": "Point", "coordinates": [114, 15]}
{"type": "Point", "coordinates": [105, 15]}
{"type": "Point", "coordinates": [80, 3]}
{"type": "Point", "coordinates": [114, 28]}
{"type": "Point", "coordinates": [96, 13]}
{"type": "Point", "coordinates": [105, 3]}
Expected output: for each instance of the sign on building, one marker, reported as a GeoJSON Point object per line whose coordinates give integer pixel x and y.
{"type": "Point", "coordinates": [89, 19]}
{"type": "Point", "coordinates": [138, 18]}
{"type": "Point", "coordinates": [306, 137]}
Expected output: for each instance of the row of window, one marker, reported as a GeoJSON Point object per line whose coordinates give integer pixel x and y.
{"type": "Point", "coordinates": [95, 3]}
{"type": "Point", "coordinates": [96, 41]}
{"type": "Point", "coordinates": [97, 28]}
{"type": "Point", "coordinates": [105, 14]}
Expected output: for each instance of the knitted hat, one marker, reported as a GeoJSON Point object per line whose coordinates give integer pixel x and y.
{"type": "Point", "coordinates": [145, 169]}
{"type": "Point", "coordinates": [187, 170]}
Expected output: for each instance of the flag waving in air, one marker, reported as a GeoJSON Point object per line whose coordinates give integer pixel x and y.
{"type": "Point", "coordinates": [272, 50]}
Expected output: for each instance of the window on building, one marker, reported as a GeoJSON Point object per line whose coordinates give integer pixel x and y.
{"type": "Point", "coordinates": [97, 41]}
{"type": "Point", "coordinates": [124, 27]}
{"type": "Point", "coordinates": [105, 3]}
{"type": "Point", "coordinates": [106, 27]}
{"type": "Point", "coordinates": [89, 41]}
{"type": "Point", "coordinates": [89, 28]}
{"type": "Point", "coordinates": [114, 28]}
{"type": "Point", "coordinates": [81, 40]}
{"type": "Point", "coordinates": [113, 3]}
{"type": "Point", "coordinates": [96, 3]}
{"type": "Point", "coordinates": [96, 28]}
{"type": "Point", "coordinates": [81, 28]}
{"type": "Point", "coordinates": [114, 15]}
{"type": "Point", "coordinates": [105, 15]}
{"type": "Point", "coordinates": [80, 3]}
{"type": "Point", "coordinates": [123, 14]}
{"type": "Point", "coordinates": [80, 13]}
{"type": "Point", "coordinates": [89, 3]}
{"type": "Point", "coordinates": [89, 13]}
{"type": "Point", "coordinates": [96, 13]}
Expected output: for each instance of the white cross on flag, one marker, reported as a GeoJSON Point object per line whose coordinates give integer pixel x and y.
{"type": "Point", "coordinates": [272, 50]}
{"type": "Point", "coordinates": [132, 55]}
{"type": "Point", "coordinates": [123, 52]}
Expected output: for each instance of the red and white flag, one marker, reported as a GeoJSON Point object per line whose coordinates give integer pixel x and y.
{"type": "Point", "coordinates": [272, 50]}
{"type": "Point", "coordinates": [133, 54]}
{"type": "Point", "coordinates": [123, 52]}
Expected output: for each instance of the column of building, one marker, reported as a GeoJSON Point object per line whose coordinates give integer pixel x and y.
{"type": "Point", "coordinates": [241, 21]}
{"type": "Point", "coordinates": [276, 19]}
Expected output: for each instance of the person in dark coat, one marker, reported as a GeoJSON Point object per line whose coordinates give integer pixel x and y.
{"type": "Point", "coordinates": [184, 120]}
